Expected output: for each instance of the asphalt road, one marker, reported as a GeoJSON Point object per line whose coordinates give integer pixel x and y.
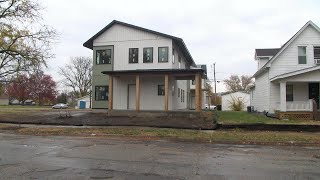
{"type": "Point", "coordinates": [32, 157]}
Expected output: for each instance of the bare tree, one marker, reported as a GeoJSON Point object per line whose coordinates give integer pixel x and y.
{"type": "Point", "coordinates": [25, 42]}
{"type": "Point", "coordinates": [238, 83]}
{"type": "Point", "coordinates": [78, 75]}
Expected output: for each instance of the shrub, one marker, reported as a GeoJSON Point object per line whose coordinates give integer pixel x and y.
{"type": "Point", "coordinates": [237, 104]}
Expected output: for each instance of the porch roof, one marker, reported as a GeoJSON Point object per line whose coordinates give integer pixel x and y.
{"type": "Point", "coordinates": [294, 73]}
{"type": "Point", "coordinates": [174, 72]}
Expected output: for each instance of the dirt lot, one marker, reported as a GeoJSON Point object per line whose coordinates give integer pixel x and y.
{"type": "Point", "coordinates": [88, 118]}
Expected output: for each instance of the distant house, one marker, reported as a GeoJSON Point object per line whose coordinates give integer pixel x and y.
{"type": "Point", "coordinates": [4, 99]}
{"type": "Point", "coordinates": [84, 102]}
{"type": "Point", "coordinates": [229, 97]}
{"type": "Point", "coordinates": [288, 77]}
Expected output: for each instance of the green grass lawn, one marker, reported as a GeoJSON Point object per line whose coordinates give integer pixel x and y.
{"type": "Point", "coordinates": [231, 117]}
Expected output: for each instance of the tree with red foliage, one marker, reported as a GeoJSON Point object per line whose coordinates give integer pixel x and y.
{"type": "Point", "coordinates": [42, 88]}
{"type": "Point", "coordinates": [19, 88]}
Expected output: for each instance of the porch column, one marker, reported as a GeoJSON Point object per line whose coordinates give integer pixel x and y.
{"type": "Point", "coordinates": [137, 93]}
{"type": "Point", "coordinates": [283, 101]}
{"type": "Point", "coordinates": [110, 99]}
{"type": "Point", "coordinates": [166, 92]}
{"type": "Point", "coordinates": [198, 92]}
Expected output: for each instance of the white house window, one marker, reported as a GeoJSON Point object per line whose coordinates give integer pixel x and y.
{"type": "Point", "coordinates": [133, 55]}
{"type": "Point", "coordinates": [302, 54]}
{"type": "Point", "coordinates": [103, 56]}
{"type": "Point", "coordinates": [289, 92]}
{"type": "Point", "coordinates": [148, 55]}
{"type": "Point", "coordinates": [193, 82]}
{"type": "Point", "coordinates": [161, 90]}
{"type": "Point", "coordinates": [173, 59]}
{"type": "Point", "coordinates": [179, 60]}
{"type": "Point", "coordinates": [163, 54]}
{"type": "Point", "coordinates": [101, 93]}
{"type": "Point", "coordinates": [316, 52]}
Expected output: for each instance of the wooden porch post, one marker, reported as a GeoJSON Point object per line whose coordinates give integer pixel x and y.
{"type": "Point", "coordinates": [198, 92]}
{"type": "Point", "coordinates": [110, 100]}
{"type": "Point", "coordinates": [137, 93]}
{"type": "Point", "coordinates": [166, 92]}
{"type": "Point", "coordinates": [283, 101]}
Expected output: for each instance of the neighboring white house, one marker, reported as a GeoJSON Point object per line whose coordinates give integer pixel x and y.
{"type": "Point", "coordinates": [288, 77]}
{"type": "Point", "coordinates": [86, 100]}
{"type": "Point", "coordinates": [228, 98]}
{"type": "Point", "coordinates": [140, 69]}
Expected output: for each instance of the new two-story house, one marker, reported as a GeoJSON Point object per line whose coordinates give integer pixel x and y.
{"type": "Point", "coordinates": [288, 77]}
{"type": "Point", "coordinates": [139, 69]}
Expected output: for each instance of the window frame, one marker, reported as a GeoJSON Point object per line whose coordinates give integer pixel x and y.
{"type": "Point", "coordinates": [145, 48]}
{"type": "Point", "coordinates": [166, 56]}
{"type": "Point", "coordinates": [159, 90]}
{"type": "Point", "coordinates": [107, 93]}
{"type": "Point", "coordinates": [289, 95]}
{"type": "Point", "coordinates": [99, 50]}
{"type": "Point", "coordinates": [137, 56]}
{"type": "Point", "coordinates": [314, 49]}
{"type": "Point", "coordinates": [305, 60]}
{"type": "Point", "coordinates": [173, 56]}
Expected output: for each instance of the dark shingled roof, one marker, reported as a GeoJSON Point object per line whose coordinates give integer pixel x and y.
{"type": "Point", "coordinates": [267, 52]}
{"type": "Point", "coordinates": [179, 42]}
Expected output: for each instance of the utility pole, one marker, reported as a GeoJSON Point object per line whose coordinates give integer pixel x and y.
{"type": "Point", "coordinates": [215, 83]}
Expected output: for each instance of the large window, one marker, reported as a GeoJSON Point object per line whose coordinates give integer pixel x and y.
{"type": "Point", "coordinates": [103, 56]}
{"type": "Point", "coordinates": [161, 90]}
{"type": "Point", "coordinates": [101, 93]}
{"type": "Point", "coordinates": [302, 54]}
{"type": "Point", "coordinates": [289, 92]}
{"type": "Point", "coordinates": [163, 54]}
{"type": "Point", "coordinates": [148, 55]}
{"type": "Point", "coordinates": [133, 55]}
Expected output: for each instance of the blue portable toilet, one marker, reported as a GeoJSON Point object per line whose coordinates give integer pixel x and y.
{"type": "Point", "coordinates": [82, 105]}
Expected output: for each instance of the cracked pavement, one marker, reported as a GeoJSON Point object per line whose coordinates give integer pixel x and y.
{"type": "Point", "coordinates": [35, 157]}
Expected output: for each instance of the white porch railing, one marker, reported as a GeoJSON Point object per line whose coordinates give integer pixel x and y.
{"type": "Point", "coordinates": [297, 105]}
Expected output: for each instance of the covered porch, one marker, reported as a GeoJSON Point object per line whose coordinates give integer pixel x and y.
{"type": "Point", "coordinates": [152, 89]}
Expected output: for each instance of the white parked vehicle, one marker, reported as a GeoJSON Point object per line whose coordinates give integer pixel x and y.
{"type": "Point", "coordinates": [207, 106]}
{"type": "Point", "coordinates": [60, 106]}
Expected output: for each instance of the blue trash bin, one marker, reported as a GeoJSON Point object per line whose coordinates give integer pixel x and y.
{"type": "Point", "coordinates": [82, 105]}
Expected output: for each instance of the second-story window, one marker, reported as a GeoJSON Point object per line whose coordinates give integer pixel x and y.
{"type": "Point", "coordinates": [316, 52]}
{"type": "Point", "coordinates": [179, 60]}
{"type": "Point", "coordinates": [173, 58]}
{"type": "Point", "coordinates": [302, 54]}
{"type": "Point", "coordinates": [148, 55]}
{"type": "Point", "coordinates": [103, 56]}
{"type": "Point", "coordinates": [133, 55]}
{"type": "Point", "coordinates": [163, 54]}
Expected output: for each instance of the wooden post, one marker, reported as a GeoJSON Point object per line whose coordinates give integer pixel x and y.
{"type": "Point", "coordinates": [198, 92]}
{"type": "Point", "coordinates": [166, 92]}
{"type": "Point", "coordinates": [110, 93]}
{"type": "Point", "coordinates": [137, 93]}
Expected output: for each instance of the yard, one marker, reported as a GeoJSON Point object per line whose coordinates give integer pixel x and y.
{"type": "Point", "coordinates": [232, 117]}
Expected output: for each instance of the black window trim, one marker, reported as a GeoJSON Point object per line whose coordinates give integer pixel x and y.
{"type": "Point", "coordinates": [95, 92]}
{"type": "Point", "coordinates": [111, 49]}
{"type": "Point", "coordinates": [159, 85]}
{"type": "Point", "coordinates": [143, 55]}
{"type": "Point", "coordinates": [137, 56]}
{"type": "Point", "coordinates": [167, 54]}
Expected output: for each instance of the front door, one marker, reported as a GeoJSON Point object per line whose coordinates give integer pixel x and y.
{"type": "Point", "coordinates": [132, 96]}
{"type": "Point", "coordinates": [314, 92]}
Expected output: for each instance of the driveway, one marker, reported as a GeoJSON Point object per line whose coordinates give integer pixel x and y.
{"type": "Point", "coordinates": [96, 158]}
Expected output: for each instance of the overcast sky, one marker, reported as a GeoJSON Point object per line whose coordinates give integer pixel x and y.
{"type": "Point", "coordinates": [221, 31]}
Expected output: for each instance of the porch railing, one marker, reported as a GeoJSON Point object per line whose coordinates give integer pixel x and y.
{"type": "Point", "coordinates": [297, 105]}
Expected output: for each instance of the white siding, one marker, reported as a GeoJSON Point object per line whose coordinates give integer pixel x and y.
{"type": "Point", "coordinates": [287, 61]}
{"type": "Point", "coordinates": [123, 38]}
{"type": "Point", "coordinates": [149, 98]}
{"type": "Point", "coordinates": [260, 96]}
{"type": "Point", "coordinates": [274, 97]}
{"type": "Point", "coordinates": [261, 63]}
{"type": "Point", "coordinates": [177, 54]}
{"type": "Point", "coordinates": [226, 99]}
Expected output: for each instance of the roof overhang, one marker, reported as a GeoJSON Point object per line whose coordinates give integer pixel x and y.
{"type": "Point", "coordinates": [295, 73]}
{"type": "Point", "coordinates": [187, 74]}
